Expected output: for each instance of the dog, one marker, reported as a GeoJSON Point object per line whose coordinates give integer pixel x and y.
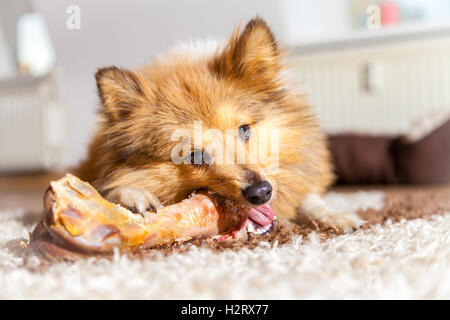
{"type": "Point", "coordinates": [240, 87]}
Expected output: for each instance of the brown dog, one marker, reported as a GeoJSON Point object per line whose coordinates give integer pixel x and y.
{"type": "Point", "coordinates": [241, 87]}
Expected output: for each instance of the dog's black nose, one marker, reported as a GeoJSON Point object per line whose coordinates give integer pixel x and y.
{"type": "Point", "coordinates": [258, 193]}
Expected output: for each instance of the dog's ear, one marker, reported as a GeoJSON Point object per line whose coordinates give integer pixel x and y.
{"type": "Point", "coordinates": [121, 92]}
{"type": "Point", "coordinates": [252, 55]}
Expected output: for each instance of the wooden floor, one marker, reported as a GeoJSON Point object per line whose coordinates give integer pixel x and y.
{"type": "Point", "coordinates": [25, 191]}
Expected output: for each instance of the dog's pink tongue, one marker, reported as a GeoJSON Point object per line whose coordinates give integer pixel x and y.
{"type": "Point", "coordinates": [262, 215]}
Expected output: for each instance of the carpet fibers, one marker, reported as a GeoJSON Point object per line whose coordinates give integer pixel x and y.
{"type": "Point", "coordinates": [402, 252]}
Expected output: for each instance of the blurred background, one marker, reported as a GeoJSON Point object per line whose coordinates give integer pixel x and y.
{"type": "Point", "coordinates": [368, 66]}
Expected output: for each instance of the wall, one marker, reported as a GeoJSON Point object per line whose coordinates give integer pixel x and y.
{"type": "Point", "coordinates": [6, 60]}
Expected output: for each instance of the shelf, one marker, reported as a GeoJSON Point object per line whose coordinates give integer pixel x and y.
{"type": "Point", "coordinates": [373, 37]}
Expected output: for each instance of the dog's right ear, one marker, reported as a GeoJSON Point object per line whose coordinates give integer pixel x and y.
{"type": "Point", "coordinates": [252, 56]}
{"type": "Point", "coordinates": [121, 92]}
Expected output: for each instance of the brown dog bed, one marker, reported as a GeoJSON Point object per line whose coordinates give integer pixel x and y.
{"type": "Point", "coordinates": [407, 159]}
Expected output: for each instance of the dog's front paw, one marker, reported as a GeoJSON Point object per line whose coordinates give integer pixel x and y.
{"type": "Point", "coordinates": [342, 221]}
{"type": "Point", "coordinates": [138, 200]}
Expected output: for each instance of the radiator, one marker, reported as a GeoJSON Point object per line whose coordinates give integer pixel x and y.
{"type": "Point", "coordinates": [378, 89]}
{"type": "Point", "coordinates": [31, 130]}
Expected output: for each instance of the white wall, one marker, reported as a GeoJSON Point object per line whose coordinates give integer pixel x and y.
{"type": "Point", "coordinates": [128, 33]}
{"type": "Point", "coordinates": [7, 64]}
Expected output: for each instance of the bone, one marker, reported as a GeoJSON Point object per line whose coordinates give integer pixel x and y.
{"type": "Point", "coordinates": [79, 221]}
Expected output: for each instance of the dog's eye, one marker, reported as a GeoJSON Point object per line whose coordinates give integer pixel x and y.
{"type": "Point", "coordinates": [199, 158]}
{"type": "Point", "coordinates": [245, 132]}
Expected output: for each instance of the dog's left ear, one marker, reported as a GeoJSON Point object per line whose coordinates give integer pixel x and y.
{"type": "Point", "coordinates": [121, 92]}
{"type": "Point", "coordinates": [251, 55]}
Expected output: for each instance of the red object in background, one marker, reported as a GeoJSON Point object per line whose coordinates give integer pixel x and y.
{"type": "Point", "coordinates": [389, 13]}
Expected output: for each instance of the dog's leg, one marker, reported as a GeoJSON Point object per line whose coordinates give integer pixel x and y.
{"type": "Point", "coordinates": [317, 210]}
{"type": "Point", "coordinates": [138, 200]}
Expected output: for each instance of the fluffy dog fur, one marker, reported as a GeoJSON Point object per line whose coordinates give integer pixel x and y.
{"type": "Point", "coordinates": [242, 83]}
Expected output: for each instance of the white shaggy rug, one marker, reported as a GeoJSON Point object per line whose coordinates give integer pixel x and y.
{"type": "Point", "coordinates": [410, 259]}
